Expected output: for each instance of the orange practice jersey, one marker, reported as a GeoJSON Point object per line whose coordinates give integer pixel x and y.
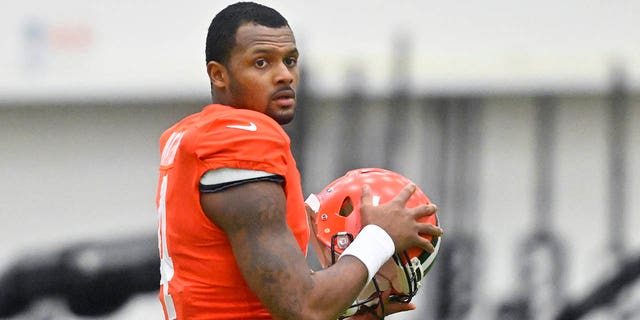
{"type": "Point", "coordinates": [200, 277]}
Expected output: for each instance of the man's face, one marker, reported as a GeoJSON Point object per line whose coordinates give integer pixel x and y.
{"type": "Point", "coordinates": [263, 71]}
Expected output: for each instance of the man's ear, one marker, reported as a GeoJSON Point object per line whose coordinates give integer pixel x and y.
{"type": "Point", "coordinates": [217, 75]}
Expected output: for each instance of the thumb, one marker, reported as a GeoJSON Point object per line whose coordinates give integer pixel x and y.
{"type": "Point", "coordinates": [366, 198]}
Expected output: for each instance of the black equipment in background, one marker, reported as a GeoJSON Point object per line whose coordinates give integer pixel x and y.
{"type": "Point", "coordinates": [606, 292]}
{"type": "Point", "coordinates": [93, 278]}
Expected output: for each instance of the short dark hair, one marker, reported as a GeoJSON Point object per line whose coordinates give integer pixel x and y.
{"type": "Point", "coordinates": [221, 37]}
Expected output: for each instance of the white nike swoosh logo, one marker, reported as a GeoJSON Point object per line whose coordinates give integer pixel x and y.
{"type": "Point", "coordinates": [250, 127]}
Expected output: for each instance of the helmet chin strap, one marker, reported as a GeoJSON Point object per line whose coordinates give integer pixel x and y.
{"type": "Point", "coordinates": [380, 302]}
{"type": "Point", "coordinates": [363, 306]}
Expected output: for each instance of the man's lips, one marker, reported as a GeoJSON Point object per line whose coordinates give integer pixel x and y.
{"type": "Point", "coordinates": [285, 98]}
{"type": "Point", "coordinates": [284, 95]}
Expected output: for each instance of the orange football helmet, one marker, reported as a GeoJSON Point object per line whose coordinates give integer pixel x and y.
{"type": "Point", "coordinates": [336, 222]}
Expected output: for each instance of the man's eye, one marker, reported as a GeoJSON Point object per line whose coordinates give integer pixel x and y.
{"type": "Point", "coordinates": [290, 62]}
{"type": "Point", "coordinates": [261, 63]}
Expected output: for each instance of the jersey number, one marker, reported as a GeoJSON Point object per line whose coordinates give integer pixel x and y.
{"type": "Point", "coordinates": [166, 264]}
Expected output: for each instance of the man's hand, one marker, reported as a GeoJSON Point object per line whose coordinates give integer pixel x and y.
{"type": "Point", "coordinates": [390, 307]}
{"type": "Point", "coordinates": [400, 222]}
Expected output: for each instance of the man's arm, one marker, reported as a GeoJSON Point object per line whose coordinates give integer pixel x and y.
{"type": "Point", "coordinates": [254, 217]}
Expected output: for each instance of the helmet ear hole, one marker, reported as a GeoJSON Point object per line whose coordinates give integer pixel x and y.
{"type": "Point", "coordinates": [346, 208]}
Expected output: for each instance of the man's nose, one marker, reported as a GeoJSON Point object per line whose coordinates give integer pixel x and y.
{"type": "Point", "coordinates": [284, 74]}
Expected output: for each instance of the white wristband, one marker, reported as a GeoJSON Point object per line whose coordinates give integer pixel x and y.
{"type": "Point", "coordinates": [373, 246]}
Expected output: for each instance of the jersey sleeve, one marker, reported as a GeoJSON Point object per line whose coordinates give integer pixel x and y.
{"type": "Point", "coordinates": [244, 139]}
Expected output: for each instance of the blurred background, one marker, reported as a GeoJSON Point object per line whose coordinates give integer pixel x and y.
{"type": "Point", "coordinates": [521, 120]}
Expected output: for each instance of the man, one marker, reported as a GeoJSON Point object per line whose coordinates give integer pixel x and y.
{"type": "Point", "coordinates": [233, 230]}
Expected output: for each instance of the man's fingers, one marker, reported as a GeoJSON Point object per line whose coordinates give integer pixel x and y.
{"type": "Point", "coordinates": [366, 198]}
{"type": "Point", "coordinates": [426, 245]}
{"type": "Point", "coordinates": [406, 193]}
{"type": "Point", "coordinates": [391, 307]}
{"type": "Point", "coordinates": [430, 230]}
{"type": "Point", "coordinates": [395, 307]}
{"type": "Point", "coordinates": [402, 197]}
{"type": "Point", "coordinates": [424, 210]}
